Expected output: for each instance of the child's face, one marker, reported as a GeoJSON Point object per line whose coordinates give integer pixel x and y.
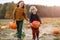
{"type": "Point", "coordinates": [21, 4]}
{"type": "Point", "coordinates": [34, 11]}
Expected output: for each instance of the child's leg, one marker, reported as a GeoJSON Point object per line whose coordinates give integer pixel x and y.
{"type": "Point", "coordinates": [37, 33]}
{"type": "Point", "coordinates": [19, 28]}
{"type": "Point", "coordinates": [33, 33]}
{"type": "Point", "coordinates": [17, 22]}
{"type": "Point", "coordinates": [34, 36]}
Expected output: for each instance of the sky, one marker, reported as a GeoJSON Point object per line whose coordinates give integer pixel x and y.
{"type": "Point", "coordinates": [36, 2]}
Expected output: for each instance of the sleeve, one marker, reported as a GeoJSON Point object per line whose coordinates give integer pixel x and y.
{"type": "Point", "coordinates": [30, 19]}
{"type": "Point", "coordinates": [39, 19]}
{"type": "Point", "coordinates": [25, 14]}
{"type": "Point", "coordinates": [14, 14]}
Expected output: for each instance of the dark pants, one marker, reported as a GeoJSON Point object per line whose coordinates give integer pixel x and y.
{"type": "Point", "coordinates": [19, 28]}
{"type": "Point", "coordinates": [35, 32]}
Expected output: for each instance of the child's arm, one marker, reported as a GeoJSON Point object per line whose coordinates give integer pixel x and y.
{"type": "Point", "coordinates": [14, 14]}
{"type": "Point", "coordinates": [25, 15]}
{"type": "Point", "coordinates": [31, 18]}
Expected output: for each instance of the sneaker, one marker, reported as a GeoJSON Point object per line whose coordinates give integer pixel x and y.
{"type": "Point", "coordinates": [37, 38]}
{"type": "Point", "coordinates": [33, 39]}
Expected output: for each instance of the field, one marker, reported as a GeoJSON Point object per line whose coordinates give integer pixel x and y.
{"type": "Point", "coordinates": [46, 30]}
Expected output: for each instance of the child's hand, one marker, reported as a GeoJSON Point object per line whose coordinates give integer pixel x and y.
{"type": "Point", "coordinates": [30, 23]}
{"type": "Point", "coordinates": [14, 21]}
{"type": "Point", "coordinates": [27, 19]}
{"type": "Point", "coordinates": [13, 18]}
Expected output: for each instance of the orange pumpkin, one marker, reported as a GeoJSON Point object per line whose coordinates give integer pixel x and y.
{"type": "Point", "coordinates": [56, 31]}
{"type": "Point", "coordinates": [35, 24]}
{"type": "Point", "coordinates": [3, 27]}
{"type": "Point", "coordinates": [12, 25]}
{"type": "Point", "coordinates": [28, 26]}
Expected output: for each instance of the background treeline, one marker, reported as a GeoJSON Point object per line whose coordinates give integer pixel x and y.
{"type": "Point", "coordinates": [6, 10]}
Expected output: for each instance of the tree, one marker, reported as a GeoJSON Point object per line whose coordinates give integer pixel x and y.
{"type": "Point", "coordinates": [10, 7]}
{"type": "Point", "coordinates": [7, 15]}
{"type": "Point", "coordinates": [3, 10]}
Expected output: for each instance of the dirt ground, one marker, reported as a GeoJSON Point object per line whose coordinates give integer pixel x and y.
{"type": "Point", "coordinates": [46, 30]}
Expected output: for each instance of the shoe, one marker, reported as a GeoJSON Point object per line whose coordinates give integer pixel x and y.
{"type": "Point", "coordinates": [37, 38]}
{"type": "Point", "coordinates": [33, 39]}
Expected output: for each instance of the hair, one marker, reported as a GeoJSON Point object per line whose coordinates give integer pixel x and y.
{"type": "Point", "coordinates": [20, 2]}
{"type": "Point", "coordinates": [32, 8]}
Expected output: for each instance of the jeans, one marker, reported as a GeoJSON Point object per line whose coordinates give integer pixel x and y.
{"type": "Point", "coordinates": [19, 28]}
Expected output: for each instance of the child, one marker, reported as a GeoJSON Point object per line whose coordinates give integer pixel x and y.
{"type": "Point", "coordinates": [19, 15]}
{"type": "Point", "coordinates": [34, 17]}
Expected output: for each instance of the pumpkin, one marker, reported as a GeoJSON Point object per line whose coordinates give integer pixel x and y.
{"type": "Point", "coordinates": [28, 26]}
{"type": "Point", "coordinates": [12, 25]}
{"type": "Point", "coordinates": [56, 31]}
{"type": "Point", "coordinates": [3, 27]}
{"type": "Point", "coordinates": [35, 24]}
